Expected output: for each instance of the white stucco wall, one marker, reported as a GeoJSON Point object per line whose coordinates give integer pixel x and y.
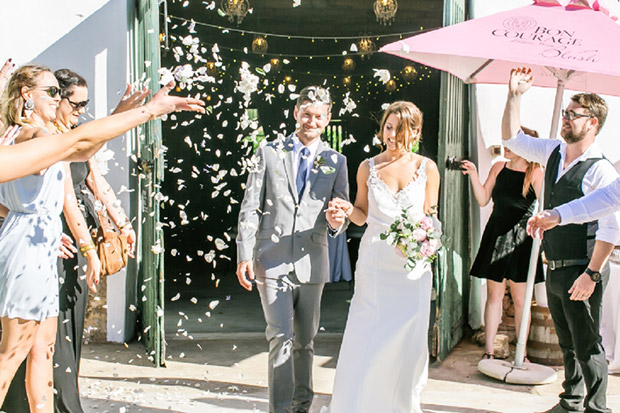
{"type": "Point", "coordinates": [90, 38]}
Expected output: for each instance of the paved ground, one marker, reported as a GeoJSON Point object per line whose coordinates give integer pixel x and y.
{"type": "Point", "coordinates": [227, 374]}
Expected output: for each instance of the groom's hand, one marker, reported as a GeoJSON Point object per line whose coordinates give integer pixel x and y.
{"type": "Point", "coordinates": [243, 268]}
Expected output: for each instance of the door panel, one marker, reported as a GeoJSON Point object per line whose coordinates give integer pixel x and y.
{"type": "Point", "coordinates": [149, 154]}
{"type": "Point", "coordinates": [453, 264]}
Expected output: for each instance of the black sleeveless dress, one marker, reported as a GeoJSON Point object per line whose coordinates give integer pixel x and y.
{"type": "Point", "coordinates": [505, 247]}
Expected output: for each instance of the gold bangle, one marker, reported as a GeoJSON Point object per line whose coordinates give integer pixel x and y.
{"type": "Point", "coordinates": [126, 225]}
{"type": "Point", "coordinates": [85, 248]}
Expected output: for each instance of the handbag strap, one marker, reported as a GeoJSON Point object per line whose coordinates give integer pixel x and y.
{"type": "Point", "coordinates": [104, 219]}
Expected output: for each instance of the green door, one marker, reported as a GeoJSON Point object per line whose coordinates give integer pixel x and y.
{"type": "Point", "coordinates": [149, 160]}
{"type": "Point", "coordinates": [451, 282]}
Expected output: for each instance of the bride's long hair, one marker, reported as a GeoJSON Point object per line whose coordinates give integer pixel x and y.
{"type": "Point", "coordinates": [409, 129]}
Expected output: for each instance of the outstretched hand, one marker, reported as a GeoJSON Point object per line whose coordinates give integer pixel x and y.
{"type": "Point", "coordinates": [468, 168]}
{"type": "Point", "coordinates": [5, 72]}
{"type": "Point", "coordinates": [539, 223]}
{"type": "Point", "coordinates": [162, 103]}
{"type": "Point", "coordinates": [10, 134]}
{"type": "Point", "coordinates": [521, 80]}
{"type": "Point", "coordinates": [131, 100]}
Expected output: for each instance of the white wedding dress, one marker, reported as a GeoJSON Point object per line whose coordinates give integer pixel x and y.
{"type": "Point", "coordinates": [383, 361]}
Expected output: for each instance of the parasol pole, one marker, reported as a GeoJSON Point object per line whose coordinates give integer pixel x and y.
{"type": "Point", "coordinates": [562, 76]}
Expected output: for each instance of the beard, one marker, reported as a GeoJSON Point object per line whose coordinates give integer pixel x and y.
{"type": "Point", "coordinates": [571, 137]}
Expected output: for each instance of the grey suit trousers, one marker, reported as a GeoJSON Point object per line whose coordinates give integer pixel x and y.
{"type": "Point", "coordinates": [292, 312]}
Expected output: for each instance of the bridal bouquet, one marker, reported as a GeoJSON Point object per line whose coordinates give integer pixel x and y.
{"type": "Point", "coordinates": [417, 236]}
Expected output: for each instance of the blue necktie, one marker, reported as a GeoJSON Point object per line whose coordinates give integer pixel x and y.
{"type": "Point", "coordinates": [302, 170]}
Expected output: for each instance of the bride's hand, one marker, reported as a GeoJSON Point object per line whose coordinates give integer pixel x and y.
{"type": "Point", "coordinates": [162, 103]}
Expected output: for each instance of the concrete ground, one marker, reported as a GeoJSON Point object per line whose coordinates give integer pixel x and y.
{"type": "Point", "coordinates": [227, 373]}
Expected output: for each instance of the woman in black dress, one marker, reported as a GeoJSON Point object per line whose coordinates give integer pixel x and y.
{"type": "Point", "coordinates": [505, 247]}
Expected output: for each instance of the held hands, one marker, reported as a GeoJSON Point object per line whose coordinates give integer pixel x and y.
{"type": "Point", "coordinates": [337, 211]}
{"type": "Point", "coordinates": [521, 80]}
{"type": "Point", "coordinates": [162, 103]}
{"type": "Point", "coordinates": [242, 268]}
{"type": "Point", "coordinates": [539, 223]}
{"type": "Point", "coordinates": [582, 288]}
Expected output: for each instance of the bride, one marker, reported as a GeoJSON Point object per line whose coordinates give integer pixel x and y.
{"type": "Point", "coordinates": [383, 360]}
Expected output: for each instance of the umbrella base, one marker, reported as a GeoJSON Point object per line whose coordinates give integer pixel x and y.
{"type": "Point", "coordinates": [528, 373]}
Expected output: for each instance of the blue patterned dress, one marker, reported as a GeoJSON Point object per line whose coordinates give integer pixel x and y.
{"type": "Point", "coordinates": [29, 242]}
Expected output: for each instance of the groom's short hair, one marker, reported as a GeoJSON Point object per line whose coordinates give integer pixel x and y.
{"type": "Point", "coordinates": [314, 95]}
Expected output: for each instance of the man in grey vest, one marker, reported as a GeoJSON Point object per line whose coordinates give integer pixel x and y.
{"type": "Point", "coordinates": [575, 267]}
{"type": "Point", "coordinates": [282, 243]}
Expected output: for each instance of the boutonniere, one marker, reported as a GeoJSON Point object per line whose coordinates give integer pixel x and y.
{"type": "Point", "coordinates": [321, 164]}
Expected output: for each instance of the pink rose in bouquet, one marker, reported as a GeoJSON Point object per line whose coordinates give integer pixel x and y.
{"type": "Point", "coordinates": [419, 234]}
{"type": "Point", "coordinates": [426, 223]}
{"type": "Point", "coordinates": [427, 250]}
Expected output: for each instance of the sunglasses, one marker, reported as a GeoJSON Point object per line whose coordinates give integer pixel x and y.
{"type": "Point", "coordinates": [572, 115]}
{"type": "Point", "coordinates": [78, 105]}
{"type": "Point", "coordinates": [52, 91]}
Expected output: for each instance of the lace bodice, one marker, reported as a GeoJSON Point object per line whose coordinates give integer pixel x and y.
{"type": "Point", "coordinates": [384, 205]}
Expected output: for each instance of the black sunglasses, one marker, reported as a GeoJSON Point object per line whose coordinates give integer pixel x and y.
{"type": "Point", "coordinates": [572, 115]}
{"type": "Point", "coordinates": [52, 91]}
{"type": "Point", "coordinates": [78, 105]}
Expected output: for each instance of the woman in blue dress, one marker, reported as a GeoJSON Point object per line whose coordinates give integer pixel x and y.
{"type": "Point", "coordinates": [30, 236]}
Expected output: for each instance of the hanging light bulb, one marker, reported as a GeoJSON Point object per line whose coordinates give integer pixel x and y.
{"type": "Point", "coordinates": [348, 65]}
{"type": "Point", "coordinates": [385, 10]}
{"type": "Point", "coordinates": [211, 68]}
{"type": "Point", "coordinates": [276, 64]}
{"type": "Point", "coordinates": [390, 86]}
{"type": "Point", "coordinates": [346, 81]}
{"type": "Point", "coordinates": [259, 45]}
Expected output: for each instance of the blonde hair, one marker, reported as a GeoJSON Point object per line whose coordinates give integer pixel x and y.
{"type": "Point", "coordinates": [409, 128]}
{"type": "Point", "coordinates": [12, 102]}
{"type": "Point", "coordinates": [531, 166]}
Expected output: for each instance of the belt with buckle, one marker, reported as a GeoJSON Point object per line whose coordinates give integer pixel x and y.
{"type": "Point", "coordinates": [555, 264]}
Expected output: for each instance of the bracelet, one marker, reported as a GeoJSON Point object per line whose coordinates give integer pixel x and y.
{"type": "Point", "coordinates": [151, 115]}
{"type": "Point", "coordinates": [126, 225]}
{"type": "Point", "coordinates": [85, 248]}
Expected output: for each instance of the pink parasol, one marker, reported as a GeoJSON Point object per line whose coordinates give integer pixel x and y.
{"type": "Point", "coordinates": [567, 43]}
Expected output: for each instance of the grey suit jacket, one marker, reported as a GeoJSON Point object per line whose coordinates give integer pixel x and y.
{"type": "Point", "coordinates": [280, 232]}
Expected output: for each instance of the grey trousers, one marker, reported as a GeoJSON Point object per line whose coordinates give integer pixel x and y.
{"type": "Point", "coordinates": [292, 312]}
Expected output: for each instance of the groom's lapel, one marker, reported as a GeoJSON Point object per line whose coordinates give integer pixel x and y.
{"type": "Point", "coordinates": [288, 166]}
{"type": "Point", "coordinates": [315, 170]}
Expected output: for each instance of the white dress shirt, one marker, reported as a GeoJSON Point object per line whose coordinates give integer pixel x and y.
{"type": "Point", "coordinates": [313, 148]}
{"type": "Point", "coordinates": [598, 176]}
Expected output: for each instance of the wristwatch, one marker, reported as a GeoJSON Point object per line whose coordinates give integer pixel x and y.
{"type": "Point", "coordinates": [594, 275]}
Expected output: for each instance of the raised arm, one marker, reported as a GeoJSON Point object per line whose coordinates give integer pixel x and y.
{"type": "Point", "coordinates": [33, 155]}
{"type": "Point", "coordinates": [520, 81]}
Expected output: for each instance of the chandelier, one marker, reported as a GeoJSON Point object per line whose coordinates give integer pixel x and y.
{"type": "Point", "coordinates": [385, 10]}
{"type": "Point", "coordinates": [366, 46]}
{"type": "Point", "coordinates": [409, 73]}
{"type": "Point", "coordinates": [235, 8]}
{"type": "Point", "coordinates": [259, 45]}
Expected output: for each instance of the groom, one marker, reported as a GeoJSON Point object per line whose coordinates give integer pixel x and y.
{"type": "Point", "coordinates": [282, 243]}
